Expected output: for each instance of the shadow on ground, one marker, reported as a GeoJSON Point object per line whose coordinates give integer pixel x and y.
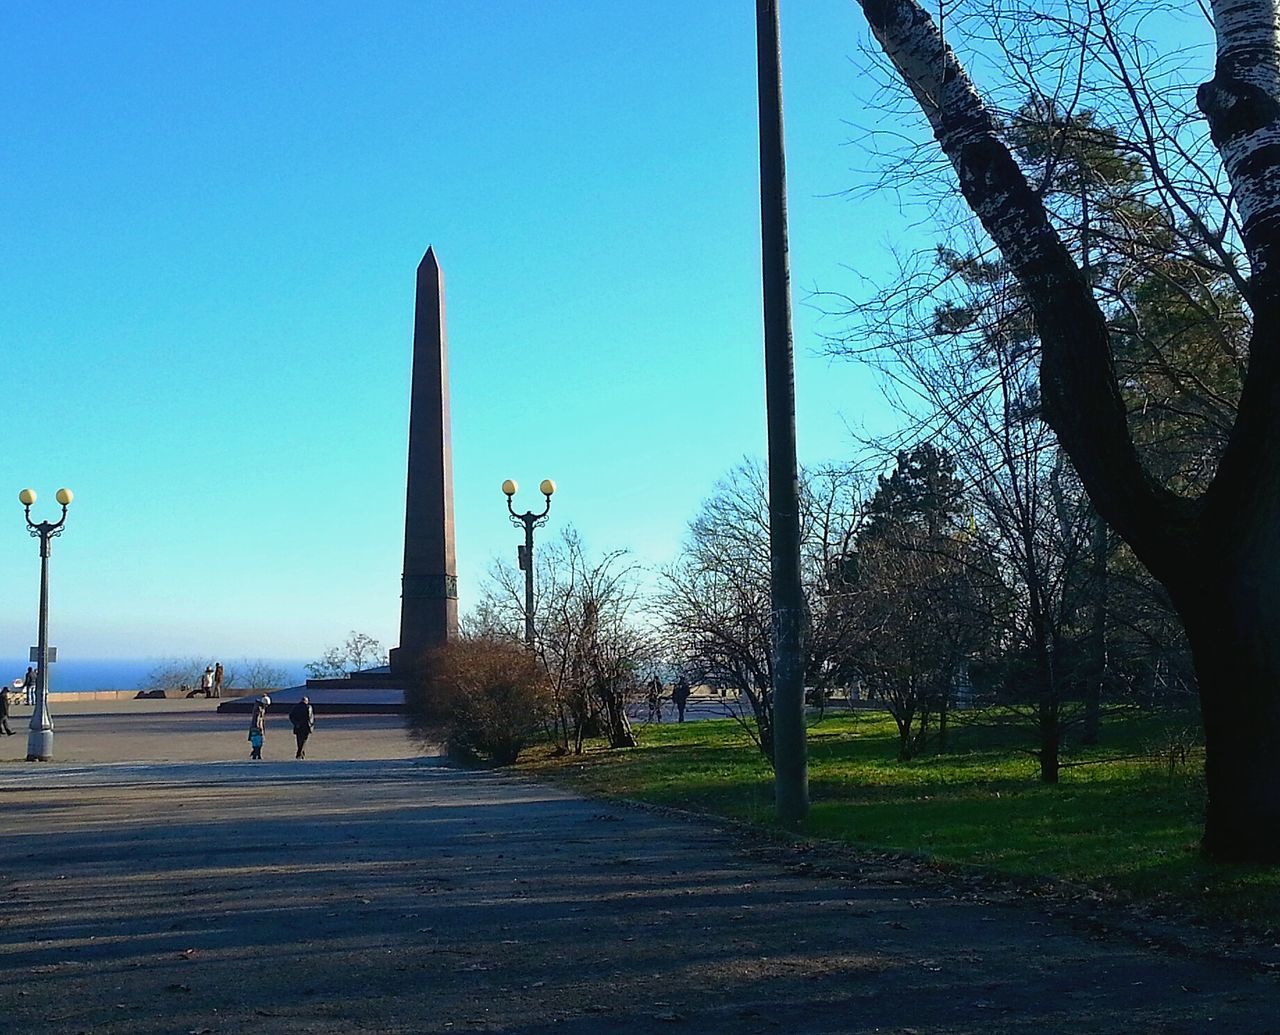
{"type": "Point", "coordinates": [404, 896]}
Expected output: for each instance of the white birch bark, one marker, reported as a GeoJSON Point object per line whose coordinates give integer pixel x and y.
{"type": "Point", "coordinates": [1248, 36]}
{"type": "Point", "coordinates": [1242, 104]}
{"type": "Point", "coordinates": [959, 118]}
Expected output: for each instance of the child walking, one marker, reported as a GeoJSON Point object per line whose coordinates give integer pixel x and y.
{"type": "Point", "coordinates": [258, 726]}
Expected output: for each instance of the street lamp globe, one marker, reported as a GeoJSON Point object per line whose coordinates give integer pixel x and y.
{"type": "Point", "coordinates": [510, 487]}
{"type": "Point", "coordinates": [27, 497]}
{"type": "Point", "coordinates": [64, 496]}
{"type": "Point", "coordinates": [548, 487]}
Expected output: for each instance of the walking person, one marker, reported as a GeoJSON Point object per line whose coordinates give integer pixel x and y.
{"type": "Point", "coordinates": [655, 699]}
{"type": "Point", "coordinates": [258, 726]}
{"type": "Point", "coordinates": [217, 679]}
{"type": "Point", "coordinates": [680, 695]}
{"type": "Point", "coordinates": [304, 723]}
{"type": "Point", "coordinates": [4, 711]}
{"type": "Point", "coordinates": [29, 685]}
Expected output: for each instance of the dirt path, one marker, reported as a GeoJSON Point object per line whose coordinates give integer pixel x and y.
{"type": "Point", "coordinates": [397, 895]}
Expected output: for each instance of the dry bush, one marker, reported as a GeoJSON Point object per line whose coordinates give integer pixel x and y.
{"type": "Point", "coordinates": [1175, 747]}
{"type": "Point", "coordinates": [490, 694]}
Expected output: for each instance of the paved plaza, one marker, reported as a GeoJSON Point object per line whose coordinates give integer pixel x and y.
{"type": "Point", "coordinates": [154, 880]}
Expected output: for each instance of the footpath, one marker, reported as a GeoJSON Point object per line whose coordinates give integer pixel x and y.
{"type": "Point", "coordinates": [155, 881]}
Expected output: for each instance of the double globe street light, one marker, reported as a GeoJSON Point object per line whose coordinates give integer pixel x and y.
{"type": "Point", "coordinates": [530, 521]}
{"type": "Point", "coordinates": [40, 737]}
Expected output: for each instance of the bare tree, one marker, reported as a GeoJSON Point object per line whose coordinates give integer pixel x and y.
{"type": "Point", "coordinates": [964, 371]}
{"type": "Point", "coordinates": [1218, 551]}
{"type": "Point", "coordinates": [925, 591]}
{"type": "Point", "coordinates": [359, 651]}
{"type": "Point", "coordinates": [174, 674]}
{"type": "Point", "coordinates": [590, 636]}
{"type": "Point", "coordinates": [957, 343]}
{"type": "Point", "coordinates": [714, 600]}
{"type": "Point", "coordinates": [255, 674]}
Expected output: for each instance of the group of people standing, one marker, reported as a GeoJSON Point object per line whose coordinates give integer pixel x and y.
{"type": "Point", "coordinates": [680, 692]}
{"type": "Point", "coordinates": [210, 683]}
{"type": "Point", "coordinates": [301, 717]}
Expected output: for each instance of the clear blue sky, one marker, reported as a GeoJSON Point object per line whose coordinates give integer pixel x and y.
{"type": "Point", "coordinates": [210, 218]}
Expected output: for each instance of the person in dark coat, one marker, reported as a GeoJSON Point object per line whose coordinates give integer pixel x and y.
{"type": "Point", "coordinates": [680, 695]}
{"type": "Point", "coordinates": [304, 721]}
{"type": "Point", "coordinates": [29, 685]}
{"type": "Point", "coordinates": [4, 711]}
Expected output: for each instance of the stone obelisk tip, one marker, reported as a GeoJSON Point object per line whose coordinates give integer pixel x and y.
{"type": "Point", "coordinates": [430, 259]}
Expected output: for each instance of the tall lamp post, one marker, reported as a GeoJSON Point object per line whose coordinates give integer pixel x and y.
{"type": "Point", "coordinates": [40, 737]}
{"type": "Point", "coordinates": [530, 521]}
{"type": "Point", "coordinates": [790, 755]}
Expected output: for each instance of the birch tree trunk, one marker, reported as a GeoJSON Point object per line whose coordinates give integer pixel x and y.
{"type": "Point", "coordinates": [1219, 555]}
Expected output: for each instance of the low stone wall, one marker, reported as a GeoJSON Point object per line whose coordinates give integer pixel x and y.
{"type": "Point", "coordinates": [89, 695]}
{"type": "Point", "coordinates": [129, 695]}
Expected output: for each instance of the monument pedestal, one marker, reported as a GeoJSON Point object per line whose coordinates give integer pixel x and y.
{"type": "Point", "coordinates": [352, 699]}
{"type": "Point", "coordinates": [374, 691]}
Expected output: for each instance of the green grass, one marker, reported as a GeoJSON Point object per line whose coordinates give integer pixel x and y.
{"type": "Point", "coordinates": [1125, 827]}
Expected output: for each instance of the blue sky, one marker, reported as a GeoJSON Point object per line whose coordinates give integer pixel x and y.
{"type": "Point", "coordinates": [210, 218]}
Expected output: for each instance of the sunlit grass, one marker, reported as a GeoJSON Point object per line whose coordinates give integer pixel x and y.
{"type": "Point", "coordinates": [1122, 823]}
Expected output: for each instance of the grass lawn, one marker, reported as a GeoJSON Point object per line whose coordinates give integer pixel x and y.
{"type": "Point", "coordinates": [1125, 827]}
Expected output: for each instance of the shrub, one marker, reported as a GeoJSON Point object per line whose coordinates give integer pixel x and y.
{"type": "Point", "coordinates": [490, 694]}
{"type": "Point", "coordinates": [1173, 748]}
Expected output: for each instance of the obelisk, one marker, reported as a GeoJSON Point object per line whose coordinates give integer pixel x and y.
{"type": "Point", "coordinates": [429, 588]}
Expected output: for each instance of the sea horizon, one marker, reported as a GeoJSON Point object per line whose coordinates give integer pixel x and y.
{"type": "Point", "coordinates": [81, 674]}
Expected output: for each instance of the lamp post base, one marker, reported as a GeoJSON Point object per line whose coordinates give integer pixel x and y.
{"type": "Point", "coordinates": [40, 746]}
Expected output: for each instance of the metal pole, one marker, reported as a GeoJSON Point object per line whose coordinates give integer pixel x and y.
{"type": "Point", "coordinates": [790, 765]}
{"type": "Point", "coordinates": [40, 735]}
{"type": "Point", "coordinates": [528, 580]}
{"type": "Point", "coordinates": [530, 521]}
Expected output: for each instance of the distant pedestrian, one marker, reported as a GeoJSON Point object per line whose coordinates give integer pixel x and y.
{"type": "Point", "coordinates": [680, 695]}
{"type": "Point", "coordinates": [304, 722]}
{"type": "Point", "coordinates": [258, 726]}
{"type": "Point", "coordinates": [217, 679]}
{"type": "Point", "coordinates": [4, 711]}
{"type": "Point", "coordinates": [29, 685]}
{"type": "Point", "coordinates": [654, 697]}
{"type": "Point", "coordinates": [205, 686]}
